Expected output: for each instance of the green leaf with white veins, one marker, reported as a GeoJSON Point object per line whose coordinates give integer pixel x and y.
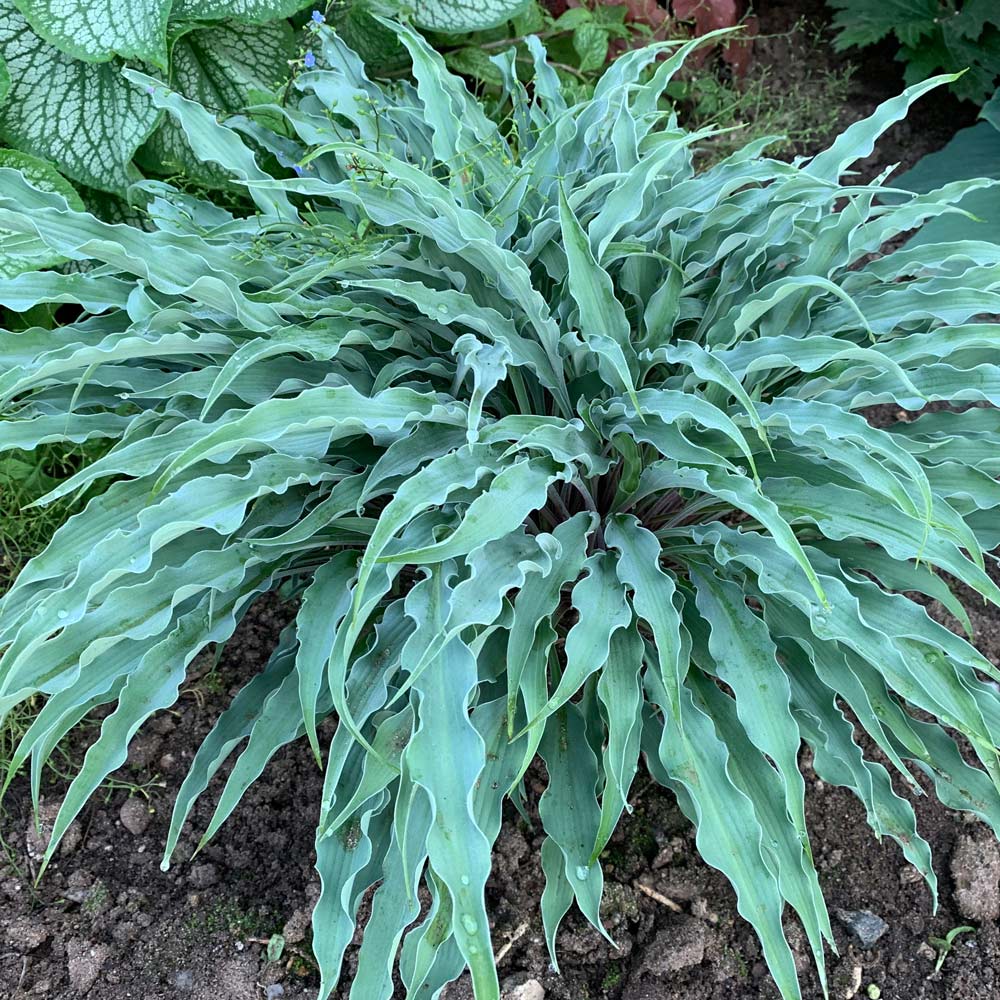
{"type": "Point", "coordinates": [83, 116]}
{"type": "Point", "coordinates": [248, 11]}
{"type": "Point", "coordinates": [97, 31]}
{"type": "Point", "coordinates": [217, 66]}
{"type": "Point", "coordinates": [464, 15]}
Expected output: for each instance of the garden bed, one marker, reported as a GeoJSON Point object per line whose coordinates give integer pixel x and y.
{"type": "Point", "coordinates": [106, 922]}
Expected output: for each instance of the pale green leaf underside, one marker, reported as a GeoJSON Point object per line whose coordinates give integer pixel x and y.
{"type": "Point", "coordinates": [19, 254]}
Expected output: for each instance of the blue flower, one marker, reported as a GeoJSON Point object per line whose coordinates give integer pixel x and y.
{"type": "Point", "coordinates": [310, 60]}
{"type": "Point", "coordinates": [318, 18]}
{"type": "Point", "coordinates": [298, 170]}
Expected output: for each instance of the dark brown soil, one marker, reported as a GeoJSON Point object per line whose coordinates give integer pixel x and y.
{"type": "Point", "coordinates": [105, 922]}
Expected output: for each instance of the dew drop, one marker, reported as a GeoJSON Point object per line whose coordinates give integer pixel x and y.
{"type": "Point", "coordinates": [465, 880]}
{"type": "Point", "coordinates": [582, 872]}
{"type": "Point", "coordinates": [61, 613]}
{"type": "Point", "coordinates": [469, 924]}
{"type": "Point", "coordinates": [442, 309]}
{"type": "Point", "coordinates": [473, 949]}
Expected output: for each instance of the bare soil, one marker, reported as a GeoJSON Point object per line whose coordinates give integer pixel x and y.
{"type": "Point", "coordinates": [105, 922]}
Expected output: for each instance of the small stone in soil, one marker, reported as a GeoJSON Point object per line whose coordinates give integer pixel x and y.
{"type": "Point", "coordinates": [184, 980]}
{"type": "Point", "coordinates": [845, 981]}
{"type": "Point", "coordinates": [274, 991]}
{"type": "Point", "coordinates": [680, 946]}
{"type": "Point", "coordinates": [867, 927]}
{"type": "Point", "coordinates": [530, 990]}
{"type": "Point", "coordinates": [26, 934]}
{"type": "Point", "coordinates": [134, 815]}
{"type": "Point", "coordinates": [203, 876]}
{"type": "Point", "coordinates": [975, 867]}
{"type": "Point", "coordinates": [296, 927]}
{"type": "Point", "coordinates": [84, 964]}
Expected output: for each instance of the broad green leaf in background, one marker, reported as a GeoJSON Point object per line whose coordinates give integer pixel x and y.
{"type": "Point", "coordinates": [97, 30]}
{"type": "Point", "coordinates": [973, 152]}
{"type": "Point", "coordinates": [217, 66]}
{"type": "Point", "coordinates": [378, 46]}
{"type": "Point", "coordinates": [85, 117]}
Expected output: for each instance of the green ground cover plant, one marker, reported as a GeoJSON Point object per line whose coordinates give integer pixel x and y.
{"type": "Point", "coordinates": [557, 442]}
{"type": "Point", "coordinates": [933, 35]}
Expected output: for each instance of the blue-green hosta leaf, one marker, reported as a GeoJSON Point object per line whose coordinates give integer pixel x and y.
{"type": "Point", "coordinates": [539, 598]}
{"type": "Point", "coordinates": [745, 658]}
{"type": "Point", "coordinates": [620, 691]}
{"type": "Point", "coordinates": [652, 597]}
{"type": "Point", "coordinates": [218, 67]}
{"type": "Point", "coordinates": [95, 32]}
{"type": "Point", "coordinates": [348, 863]}
{"type": "Point", "coordinates": [396, 903]}
{"type": "Point", "coordinates": [599, 598]}
{"type": "Point", "coordinates": [431, 958]}
{"type": "Point", "coordinates": [445, 757]}
{"type": "Point", "coordinates": [603, 324]}
{"type": "Point", "coordinates": [729, 836]}
{"type": "Point", "coordinates": [324, 603]}
{"type": "Point", "coordinates": [781, 846]}
{"type": "Point", "coordinates": [569, 809]}
{"type": "Point", "coordinates": [514, 493]}
{"type": "Point", "coordinates": [153, 685]}
{"type": "Point", "coordinates": [837, 758]}
{"type": "Point", "coordinates": [212, 142]}
{"type": "Point", "coordinates": [927, 681]}
{"type": "Point", "coordinates": [84, 117]}
{"type": "Point", "coordinates": [18, 252]}
{"type": "Point", "coordinates": [232, 727]}
{"type": "Point", "coordinates": [858, 140]}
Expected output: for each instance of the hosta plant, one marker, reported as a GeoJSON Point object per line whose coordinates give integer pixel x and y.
{"type": "Point", "coordinates": [560, 447]}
